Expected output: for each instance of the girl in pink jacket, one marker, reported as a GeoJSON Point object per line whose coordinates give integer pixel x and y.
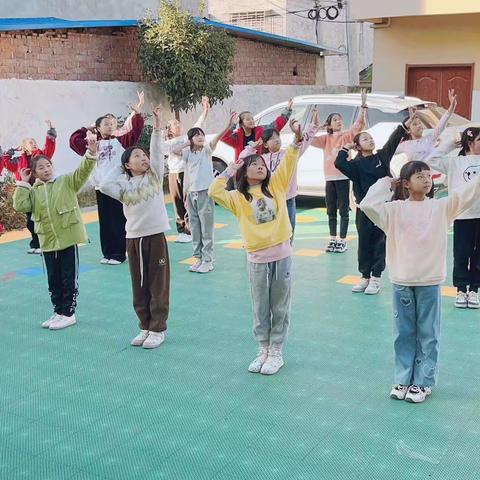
{"type": "Point", "coordinates": [337, 185]}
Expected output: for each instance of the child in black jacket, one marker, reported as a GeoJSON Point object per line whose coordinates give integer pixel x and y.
{"type": "Point", "coordinates": [364, 170]}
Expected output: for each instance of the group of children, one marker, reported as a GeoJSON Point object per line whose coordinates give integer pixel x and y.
{"type": "Point", "coordinates": [409, 233]}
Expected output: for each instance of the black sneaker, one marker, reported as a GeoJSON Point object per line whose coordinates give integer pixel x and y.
{"type": "Point", "coordinates": [341, 246]}
{"type": "Point", "coordinates": [331, 246]}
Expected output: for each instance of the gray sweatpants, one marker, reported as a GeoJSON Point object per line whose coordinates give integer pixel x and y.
{"type": "Point", "coordinates": [270, 285]}
{"type": "Point", "coordinates": [201, 209]}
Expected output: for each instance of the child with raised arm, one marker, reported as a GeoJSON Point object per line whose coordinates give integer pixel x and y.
{"type": "Point", "coordinates": [110, 212]}
{"type": "Point", "coordinates": [176, 171]}
{"type": "Point", "coordinates": [58, 224]}
{"type": "Point", "coordinates": [15, 164]}
{"type": "Point", "coordinates": [416, 227]}
{"type": "Point", "coordinates": [247, 132]}
{"type": "Point", "coordinates": [138, 185]}
{"type": "Point", "coordinates": [274, 155]}
{"type": "Point", "coordinates": [201, 208]}
{"type": "Point", "coordinates": [418, 147]}
{"type": "Point", "coordinates": [259, 203]}
{"type": "Point", "coordinates": [337, 185]}
{"type": "Point", "coordinates": [460, 171]}
{"type": "Point", "coordinates": [364, 170]}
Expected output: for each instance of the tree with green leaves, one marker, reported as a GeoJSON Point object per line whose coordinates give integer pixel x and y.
{"type": "Point", "coordinates": [185, 57]}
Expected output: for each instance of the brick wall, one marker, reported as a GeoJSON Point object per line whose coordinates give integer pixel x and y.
{"type": "Point", "coordinates": [101, 54]}
{"type": "Point", "coordinates": [105, 54]}
{"type": "Point", "coordinates": [266, 64]}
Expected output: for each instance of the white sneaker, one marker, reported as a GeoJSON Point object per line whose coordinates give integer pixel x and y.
{"type": "Point", "coordinates": [114, 262]}
{"type": "Point", "coordinates": [104, 261]}
{"type": "Point", "coordinates": [62, 322]}
{"type": "Point", "coordinates": [154, 339]}
{"type": "Point", "coordinates": [472, 300]}
{"type": "Point", "coordinates": [31, 251]}
{"type": "Point", "coordinates": [398, 392]}
{"type": "Point", "coordinates": [195, 266]}
{"type": "Point", "coordinates": [205, 267]}
{"type": "Point", "coordinates": [53, 318]}
{"type": "Point", "coordinates": [331, 246]}
{"type": "Point", "coordinates": [37, 251]}
{"type": "Point", "coordinates": [139, 339]}
{"type": "Point", "coordinates": [461, 300]}
{"type": "Point", "coordinates": [184, 238]}
{"type": "Point", "coordinates": [417, 394]}
{"type": "Point", "coordinates": [341, 246]}
{"type": "Point", "coordinates": [362, 286]}
{"type": "Point", "coordinates": [257, 364]}
{"type": "Point", "coordinates": [273, 363]}
{"type": "Point", "coordinates": [373, 286]}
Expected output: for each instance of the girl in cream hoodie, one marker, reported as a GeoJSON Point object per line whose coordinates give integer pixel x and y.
{"type": "Point", "coordinates": [416, 229]}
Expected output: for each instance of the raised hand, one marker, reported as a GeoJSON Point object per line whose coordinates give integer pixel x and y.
{"type": "Point", "coordinates": [364, 97]}
{"type": "Point", "coordinates": [92, 143]}
{"type": "Point", "coordinates": [315, 119]}
{"type": "Point", "coordinates": [412, 112]}
{"type": "Point", "coordinates": [295, 126]}
{"type": "Point", "coordinates": [137, 108]}
{"type": "Point", "coordinates": [205, 103]}
{"type": "Point", "coordinates": [156, 116]}
{"type": "Point", "coordinates": [257, 143]}
{"type": "Point", "coordinates": [25, 174]}
{"type": "Point", "coordinates": [452, 98]}
{"type": "Point", "coordinates": [49, 124]}
{"type": "Point", "coordinates": [233, 119]}
{"type": "Point", "coordinates": [349, 146]}
{"type": "Point", "coordinates": [290, 103]}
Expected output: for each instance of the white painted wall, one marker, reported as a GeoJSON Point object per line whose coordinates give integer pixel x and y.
{"type": "Point", "coordinates": [70, 105]}
{"type": "Point", "coordinates": [85, 9]}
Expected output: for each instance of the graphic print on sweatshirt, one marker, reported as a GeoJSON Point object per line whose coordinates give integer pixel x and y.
{"type": "Point", "coordinates": [263, 210]}
{"type": "Point", "coordinates": [471, 172]}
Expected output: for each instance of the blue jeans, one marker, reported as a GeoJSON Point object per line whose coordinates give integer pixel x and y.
{"type": "Point", "coordinates": [292, 213]}
{"type": "Point", "coordinates": [416, 327]}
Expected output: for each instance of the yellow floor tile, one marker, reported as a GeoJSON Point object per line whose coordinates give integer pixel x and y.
{"type": "Point", "coordinates": [220, 225]}
{"type": "Point", "coordinates": [306, 219]}
{"type": "Point", "coordinates": [188, 261]}
{"type": "Point", "coordinates": [171, 238]}
{"type": "Point", "coordinates": [234, 245]}
{"type": "Point", "coordinates": [308, 252]}
{"type": "Point", "coordinates": [349, 279]}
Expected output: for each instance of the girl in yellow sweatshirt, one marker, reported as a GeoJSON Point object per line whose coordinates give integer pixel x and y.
{"type": "Point", "coordinates": [259, 203]}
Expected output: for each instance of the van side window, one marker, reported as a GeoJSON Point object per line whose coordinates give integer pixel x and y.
{"type": "Point", "coordinates": [346, 111]}
{"type": "Point", "coordinates": [374, 116]}
{"type": "Point", "coordinates": [298, 113]}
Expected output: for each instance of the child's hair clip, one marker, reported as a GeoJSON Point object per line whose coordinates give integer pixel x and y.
{"type": "Point", "coordinates": [469, 134]}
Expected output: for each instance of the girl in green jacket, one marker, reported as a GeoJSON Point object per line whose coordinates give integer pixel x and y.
{"type": "Point", "coordinates": [58, 224]}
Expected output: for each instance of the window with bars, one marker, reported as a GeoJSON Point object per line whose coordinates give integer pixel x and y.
{"type": "Point", "coordinates": [264, 20]}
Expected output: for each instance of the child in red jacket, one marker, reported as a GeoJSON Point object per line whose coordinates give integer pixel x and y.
{"type": "Point", "coordinates": [15, 163]}
{"type": "Point", "coordinates": [110, 149]}
{"type": "Point", "coordinates": [247, 131]}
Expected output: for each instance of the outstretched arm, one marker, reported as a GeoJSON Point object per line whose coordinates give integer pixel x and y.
{"type": "Point", "coordinates": [374, 202]}
{"type": "Point", "coordinates": [228, 127]}
{"type": "Point", "coordinates": [79, 177]}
